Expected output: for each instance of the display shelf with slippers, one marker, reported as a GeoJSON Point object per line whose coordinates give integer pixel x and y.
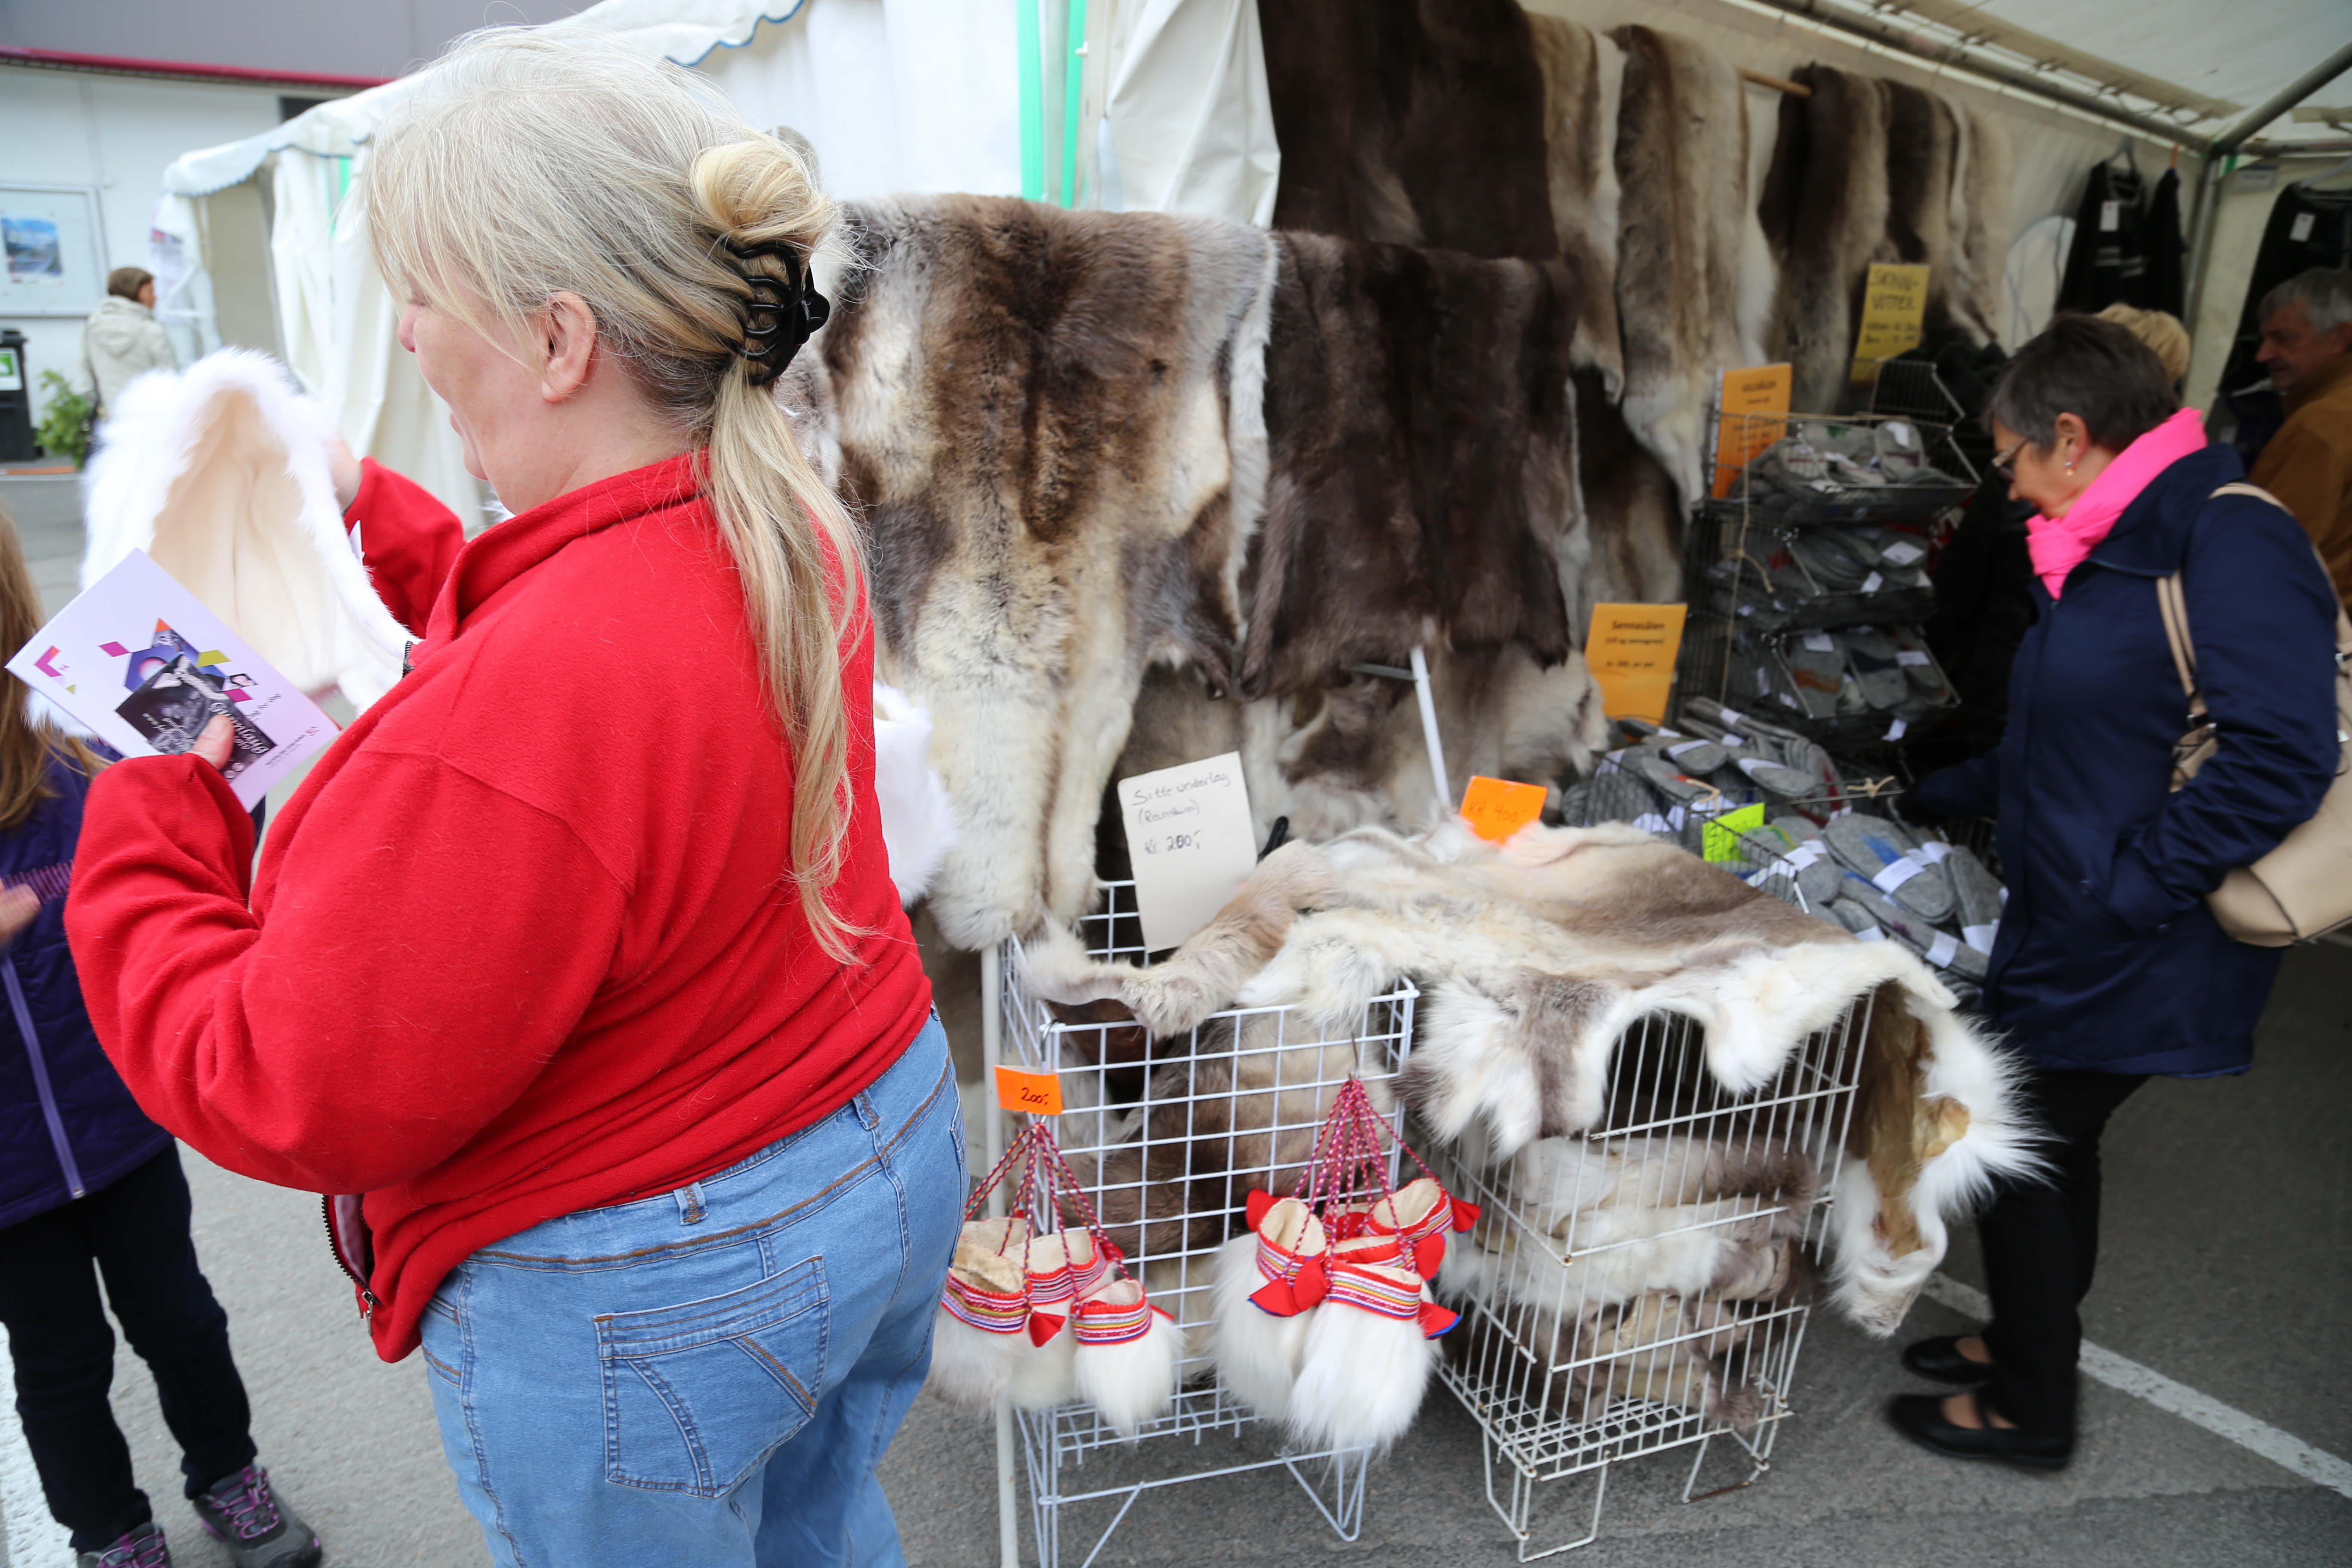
{"type": "Point", "coordinates": [1174, 1147]}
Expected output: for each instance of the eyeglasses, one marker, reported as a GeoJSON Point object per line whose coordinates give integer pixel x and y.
{"type": "Point", "coordinates": [2000, 465]}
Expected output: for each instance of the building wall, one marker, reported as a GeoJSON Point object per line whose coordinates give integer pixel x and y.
{"type": "Point", "coordinates": [117, 134]}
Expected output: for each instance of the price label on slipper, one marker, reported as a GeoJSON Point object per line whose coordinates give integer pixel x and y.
{"type": "Point", "coordinates": [1497, 808]}
{"type": "Point", "coordinates": [1030, 1093]}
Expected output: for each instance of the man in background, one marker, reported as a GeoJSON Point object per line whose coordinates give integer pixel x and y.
{"type": "Point", "coordinates": [122, 340]}
{"type": "Point", "coordinates": [2308, 350]}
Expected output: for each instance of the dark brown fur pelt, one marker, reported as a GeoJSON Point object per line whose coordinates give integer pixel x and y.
{"type": "Point", "coordinates": [1628, 549]}
{"type": "Point", "coordinates": [1694, 276]}
{"type": "Point", "coordinates": [1582, 71]}
{"type": "Point", "coordinates": [1419, 422]}
{"type": "Point", "coordinates": [1922, 152]}
{"type": "Point", "coordinates": [1983, 224]}
{"type": "Point", "coordinates": [1413, 122]}
{"type": "Point", "coordinates": [1824, 212]}
{"type": "Point", "coordinates": [1051, 423]}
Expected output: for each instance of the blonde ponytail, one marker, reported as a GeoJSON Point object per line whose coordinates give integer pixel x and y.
{"type": "Point", "coordinates": [540, 161]}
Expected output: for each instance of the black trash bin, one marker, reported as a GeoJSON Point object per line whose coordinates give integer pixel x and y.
{"type": "Point", "coordinates": [15, 400]}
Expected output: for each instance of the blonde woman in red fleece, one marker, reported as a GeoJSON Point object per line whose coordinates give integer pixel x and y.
{"type": "Point", "coordinates": [598, 990]}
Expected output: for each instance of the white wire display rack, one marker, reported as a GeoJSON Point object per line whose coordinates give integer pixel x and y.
{"type": "Point", "coordinates": [1646, 1286]}
{"type": "Point", "coordinates": [1189, 1124]}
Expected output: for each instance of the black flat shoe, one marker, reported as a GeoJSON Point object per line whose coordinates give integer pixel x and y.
{"type": "Point", "coordinates": [1920, 1418]}
{"type": "Point", "coordinates": [1941, 1359]}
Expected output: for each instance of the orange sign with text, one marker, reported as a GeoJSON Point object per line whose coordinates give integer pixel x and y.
{"type": "Point", "coordinates": [1632, 650]}
{"type": "Point", "coordinates": [1030, 1093]}
{"type": "Point", "coordinates": [1497, 808]}
{"type": "Point", "coordinates": [1744, 428]}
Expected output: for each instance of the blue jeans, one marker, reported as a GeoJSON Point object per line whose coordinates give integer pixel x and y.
{"type": "Point", "coordinates": [709, 1377]}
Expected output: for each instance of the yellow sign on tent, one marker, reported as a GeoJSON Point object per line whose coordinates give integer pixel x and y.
{"type": "Point", "coordinates": [1893, 317]}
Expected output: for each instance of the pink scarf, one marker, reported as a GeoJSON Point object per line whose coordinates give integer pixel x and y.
{"type": "Point", "coordinates": [2058, 544]}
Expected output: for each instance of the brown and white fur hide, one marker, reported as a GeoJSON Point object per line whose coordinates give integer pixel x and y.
{"type": "Point", "coordinates": [1582, 71]}
{"type": "Point", "coordinates": [1051, 423]}
{"type": "Point", "coordinates": [1534, 956]}
{"type": "Point", "coordinates": [1824, 212]}
{"type": "Point", "coordinates": [1983, 225]}
{"type": "Point", "coordinates": [1923, 137]}
{"type": "Point", "coordinates": [1628, 547]}
{"type": "Point", "coordinates": [1694, 275]}
{"type": "Point", "coordinates": [1421, 438]}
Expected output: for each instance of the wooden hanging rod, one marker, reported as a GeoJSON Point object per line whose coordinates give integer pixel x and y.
{"type": "Point", "coordinates": [1777, 83]}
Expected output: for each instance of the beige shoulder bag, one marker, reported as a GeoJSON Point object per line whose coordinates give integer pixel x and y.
{"type": "Point", "coordinates": [2303, 888]}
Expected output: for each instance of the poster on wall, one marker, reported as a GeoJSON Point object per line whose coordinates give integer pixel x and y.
{"type": "Point", "coordinates": [52, 256]}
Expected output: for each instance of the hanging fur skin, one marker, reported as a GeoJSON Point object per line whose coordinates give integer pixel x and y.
{"type": "Point", "coordinates": [1983, 199]}
{"type": "Point", "coordinates": [1385, 108]}
{"type": "Point", "coordinates": [1694, 276]}
{"type": "Point", "coordinates": [1628, 547]}
{"type": "Point", "coordinates": [1582, 74]}
{"type": "Point", "coordinates": [1922, 152]}
{"type": "Point", "coordinates": [1534, 956]}
{"type": "Point", "coordinates": [1052, 423]}
{"type": "Point", "coordinates": [1419, 425]}
{"type": "Point", "coordinates": [220, 474]}
{"type": "Point", "coordinates": [1824, 212]}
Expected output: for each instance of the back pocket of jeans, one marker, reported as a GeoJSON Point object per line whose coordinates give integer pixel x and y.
{"type": "Point", "coordinates": [696, 1395]}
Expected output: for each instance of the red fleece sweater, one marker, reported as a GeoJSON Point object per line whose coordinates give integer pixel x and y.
{"type": "Point", "coordinates": [521, 943]}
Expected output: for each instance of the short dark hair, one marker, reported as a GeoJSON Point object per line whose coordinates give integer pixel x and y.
{"type": "Point", "coordinates": [2096, 370]}
{"type": "Point", "coordinates": [124, 282]}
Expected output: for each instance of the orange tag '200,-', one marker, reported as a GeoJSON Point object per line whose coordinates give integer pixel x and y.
{"type": "Point", "coordinates": [1030, 1093]}
{"type": "Point", "coordinates": [1497, 808]}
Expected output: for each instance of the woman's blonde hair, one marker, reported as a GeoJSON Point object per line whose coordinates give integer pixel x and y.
{"type": "Point", "coordinates": [2160, 330]}
{"type": "Point", "coordinates": [27, 745]}
{"type": "Point", "coordinates": [540, 161]}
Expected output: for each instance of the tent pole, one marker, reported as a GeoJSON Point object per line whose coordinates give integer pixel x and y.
{"type": "Point", "coordinates": [2217, 158]}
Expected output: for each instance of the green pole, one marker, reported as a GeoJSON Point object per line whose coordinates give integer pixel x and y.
{"type": "Point", "coordinates": [1076, 68]}
{"type": "Point", "coordinates": [1032, 101]}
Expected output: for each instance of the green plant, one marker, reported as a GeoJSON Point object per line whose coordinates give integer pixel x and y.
{"type": "Point", "coordinates": [64, 430]}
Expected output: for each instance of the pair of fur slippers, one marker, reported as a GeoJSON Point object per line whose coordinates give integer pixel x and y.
{"type": "Point", "coordinates": [1050, 1320]}
{"type": "Point", "coordinates": [1326, 1324]}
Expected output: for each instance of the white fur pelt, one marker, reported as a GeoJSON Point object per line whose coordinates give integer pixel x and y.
{"type": "Point", "coordinates": [1052, 426]}
{"type": "Point", "coordinates": [1535, 955]}
{"type": "Point", "coordinates": [220, 474]}
{"type": "Point", "coordinates": [1582, 71]}
{"type": "Point", "coordinates": [1695, 278]}
{"type": "Point", "coordinates": [918, 818]}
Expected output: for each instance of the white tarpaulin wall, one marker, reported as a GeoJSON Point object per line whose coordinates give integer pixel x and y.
{"type": "Point", "coordinates": [894, 95]}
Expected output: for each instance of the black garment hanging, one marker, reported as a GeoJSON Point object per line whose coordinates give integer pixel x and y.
{"type": "Point", "coordinates": [2108, 263]}
{"type": "Point", "coordinates": [2165, 286]}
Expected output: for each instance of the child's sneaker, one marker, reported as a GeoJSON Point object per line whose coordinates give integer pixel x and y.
{"type": "Point", "coordinates": [142, 1548]}
{"type": "Point", "coordinates": [260, 1530]}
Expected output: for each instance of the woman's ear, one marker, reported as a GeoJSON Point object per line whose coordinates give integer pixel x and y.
{"type": "Point", "coordinates": [567, 330]}
{"type": "Point", "coordinates": [2070, 440]}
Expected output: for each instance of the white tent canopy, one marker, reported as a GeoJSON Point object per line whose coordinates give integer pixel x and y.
{"type": "Point", "coordinates": [895, 96]}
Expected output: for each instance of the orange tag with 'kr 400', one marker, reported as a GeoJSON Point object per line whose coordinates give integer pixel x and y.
{"type": "Point", "coordinates": [1030, 1093]}
{"type": "Point", "coordinates": [1497, 808]}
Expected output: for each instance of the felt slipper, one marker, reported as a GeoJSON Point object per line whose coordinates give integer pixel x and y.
{"type": "Point", "coordinates": [1854, 917]}
{"type": "Point", "coordinates": [1889, 859]}
{"type": "Point", "coordinates": [1817, 662]}
{"type": "Point", "coordinates": [1126, 1355]}
{"type": "Point", "coordinates": [1770, 776]}
{"type": "Point", "coordinates": [1918, 664]}
{"type": "Point", "coordinates": [1940, 949]}
{"type": "Point", "coordinates": [1619, 796]}
{"type": "Point", "coordinates": [1977, 893]}
{"type": "Point", "coordinates": [1871, 659]}
{"type": "Point", "coordinates": [1808, 858]}
{"type": "Point", "coordinates": [1695, 755]}
{"type": "Point", "coordinates": [1663, 773]}
{"type": "Point", "coordinates": [1292, 1255]}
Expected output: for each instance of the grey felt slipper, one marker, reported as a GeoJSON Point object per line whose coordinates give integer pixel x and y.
{"type": "Point", "coordinates": [1662, 774]}
{"type": "Point", "coordinates": [1886, 855]}
{"type": "Point", "coordinates": [1693, 755]}
{"type": "Point", "coordinates": [1808, 857]}
{"type": "Point", "coordinates": [1977, 893]}
{"type": "Point", "coordinates": [1770, 776]}
{"type": "Point", "coordinates": [1817, 662]}
{"type": "Point", "coordinates": [1576, 806]}
{"type": "Point", "coordinates": [1616, 794]}
{"type": "Point", "coordinates": [1941, 949]}
{"type": "Point", "coordinates": [1871, 659]}
{"type": "Point", "coordinates": [1918, 664]}
{"type": "Point", "coordinates": [1854, 917]}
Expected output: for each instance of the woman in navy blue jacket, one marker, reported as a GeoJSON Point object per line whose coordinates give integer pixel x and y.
{"type": "Point", "coordinates": [89, 1186]}
{"type": "Point", "coordinates": [2108, 967]}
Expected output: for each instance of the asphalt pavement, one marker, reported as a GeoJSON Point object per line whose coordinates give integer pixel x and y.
{"type": "Point", "coordinates": [2227, 1268]}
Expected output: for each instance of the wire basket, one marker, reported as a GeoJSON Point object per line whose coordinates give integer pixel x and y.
{"type": "Point", "coordinates": [1811, 469]}
{"type": "Point", "coordinates": [1192, 1123]}
{"type": "Point", "coordinates": [1572, 1358]}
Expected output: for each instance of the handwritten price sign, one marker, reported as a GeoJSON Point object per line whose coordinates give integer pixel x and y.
{"type": "Point", "coordinates": [1030, 1093]}
{"type": "Point", "coordinates": [1189, 835]}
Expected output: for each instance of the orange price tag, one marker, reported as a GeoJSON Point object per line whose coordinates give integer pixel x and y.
{"type": "Point", "coordinates": [1032, 1093]}
{"type": "Point", "coordinates": [1497, 808]}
